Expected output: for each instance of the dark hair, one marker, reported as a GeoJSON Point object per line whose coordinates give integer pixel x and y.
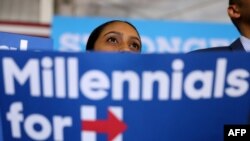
{"type": "Point", "coordinates": [231, 2]}
{"type": "Point", "coordinates": [234, 2]}
{"type": "Point", "coordinates": [97, 31]}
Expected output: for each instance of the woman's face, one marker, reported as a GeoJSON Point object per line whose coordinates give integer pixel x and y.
{"type": "Point", "coordinates": [120, 37]}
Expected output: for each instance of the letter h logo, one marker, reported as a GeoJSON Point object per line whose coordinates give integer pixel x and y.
{"type": "Point", "coordinates": [113, 126]}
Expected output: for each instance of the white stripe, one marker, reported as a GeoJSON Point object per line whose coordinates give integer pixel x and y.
{"type": "Point", "coordinates": [26, 29]}
{"type": "Point", "coordinates": [88, 136]}
{"type": "Point", "coordinates": [88, 113]}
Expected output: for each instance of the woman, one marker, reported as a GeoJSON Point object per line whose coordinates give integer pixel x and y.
{"type": "Point", "coordinates": [114, 36]}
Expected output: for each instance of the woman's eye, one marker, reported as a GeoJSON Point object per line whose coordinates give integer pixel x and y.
{"type": "Point", "coordinates": [135, 46]}
{"type": "Point", "coordinates": [112, 40]}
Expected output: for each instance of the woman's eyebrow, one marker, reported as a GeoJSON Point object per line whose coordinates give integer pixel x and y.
{"type": "Point", "coordinates": [113, 32]}
{"type": "Point", "coordinates": [119, 33]}
{"type": "Point", "coordinates": [135, 38]}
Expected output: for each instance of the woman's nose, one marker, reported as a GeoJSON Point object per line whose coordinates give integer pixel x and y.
{"type": "Point", "coordinates": [124, 48]}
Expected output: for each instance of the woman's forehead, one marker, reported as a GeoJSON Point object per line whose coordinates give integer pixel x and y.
{"type": "Point", "coordinates": [119, 26]}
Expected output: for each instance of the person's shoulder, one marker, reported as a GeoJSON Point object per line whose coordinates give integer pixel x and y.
{"type": "Point", "coordinates": [213, 49]}
{"type": "Point", "coordinates": [233, 47]}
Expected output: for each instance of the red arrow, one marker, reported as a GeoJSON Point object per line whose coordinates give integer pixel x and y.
{"type": "Point", "coordinates": [112, 126]}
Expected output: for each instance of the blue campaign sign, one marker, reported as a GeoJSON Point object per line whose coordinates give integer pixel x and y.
{"type": "Point", "coordinates": [1, 130]}
{"type": "Point", "coordinates": [130, 97]}
{"type": "Point", "coordinates": [158, 36]}
{"type": "Point", "coordinates": [12, 41]}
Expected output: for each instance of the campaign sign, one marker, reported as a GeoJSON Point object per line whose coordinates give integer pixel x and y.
{"type": "Point", "coordinates": [12, 41]}
{"type": "Point", "coordinates": [1, 130]}
{"type": "Point", "coordinates": [122, 97]}
{"type": "Point", "coordinates": [158, 36]}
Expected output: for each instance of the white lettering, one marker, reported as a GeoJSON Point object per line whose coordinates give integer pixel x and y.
{"type": "Point", "coordinates": [40, 120]}
{"type": "Point", "coordinates": [220, 75]}
{"type": "Point", "coordinates": [118, 79]}
{"type": "Point", "coordinates": [4, 47]}
{"type": "Point", "coordinates": [60, 77]}
{"type": "Point", "coordinates": [149, 44]}
{"type": "Point", "coordinates": [70, 42]}
{"type": "Point", "coordinates": [231, 132]}
{"type": "Point", "coordinates": [149, 78]}
{"type": "Point", "coordinates": [206, 78]}
{"type": "Point", "coordinates": [23, 45]}
{"type": "Point", "coordinates": [14, 116]}
{"type": "Point", "coordinates": [165, 46]}
{"type": "Point", "coordinates": [94, 84]}
{"type": "Point", "coordinates": [237, 131]}
{"type": "Point", "coordinates": [59, 124]}
{"type": "Point", "coordinates": [36, 126]}
{"type": "Point", "coordinates": [30, 71]}
{"type": "Point", "coordinates": [193, 43]}
{"type": "Point", "coordinates": [177, 78]}
{"type": "Point", "coordinates": [243, 131]}
{"type": "Point", "coordinates": [237, 82]}
{"type": "Point", "coordinates": [47, 77]}
{"type": "Point", "coordinates": [73, 77]}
